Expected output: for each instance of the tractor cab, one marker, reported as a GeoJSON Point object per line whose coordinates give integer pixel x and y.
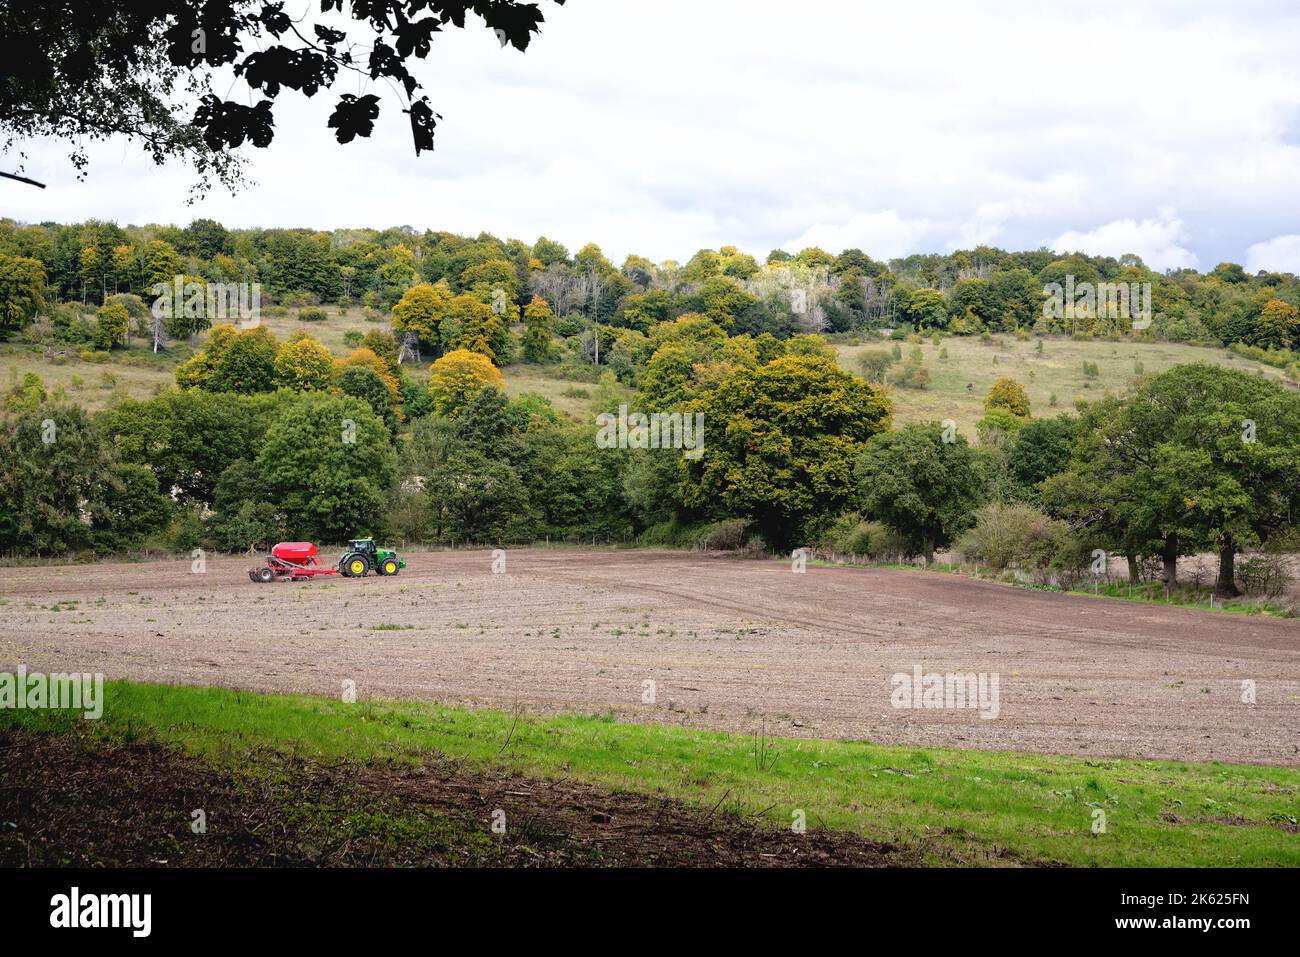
{"type": "Point", "coordinates": [364, 546]}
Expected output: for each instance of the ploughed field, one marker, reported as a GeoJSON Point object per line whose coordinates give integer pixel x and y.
{"type": "Point", "coordinates": [729, 644]}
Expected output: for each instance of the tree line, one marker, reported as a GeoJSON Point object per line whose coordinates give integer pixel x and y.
{"type": "Point", "coordinates": [964, 292]}
{"type": "Point", "coordinates": [263, 439]}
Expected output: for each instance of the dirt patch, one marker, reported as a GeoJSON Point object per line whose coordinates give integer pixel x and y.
{"type": "Point", "coordinates": [66, 800]}
{"type": "Point", "coordinates": [728, 644]}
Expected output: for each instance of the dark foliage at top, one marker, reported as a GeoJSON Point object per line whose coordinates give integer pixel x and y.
{"type": "Point", "coordinates": [92, 69]}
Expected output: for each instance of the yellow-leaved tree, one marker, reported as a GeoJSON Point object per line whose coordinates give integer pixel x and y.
{"type": "Point", "coordinates": [420, 312]}
{"type": "Point", "coordinates": [304, 364]}
{"type": "Point", "coordinates": [1010, 396]}
{"type": "Point", "coordinates": [460, 375]}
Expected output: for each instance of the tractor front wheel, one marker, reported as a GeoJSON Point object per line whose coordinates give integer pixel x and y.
{"type": "Point", "coordinates": [389, 566]}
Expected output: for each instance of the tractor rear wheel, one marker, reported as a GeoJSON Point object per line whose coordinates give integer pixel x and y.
{"type": "Point", "coordinates": [356, 566]}
{"type": "Point", "coordinates": [389, 566]}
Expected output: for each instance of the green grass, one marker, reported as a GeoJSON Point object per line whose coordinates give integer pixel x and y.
{"type": "Point", "coordinates": [530, 378]}
{"type": "Point", "coordinates": [1147, 593]}
{"type": "Point", "coordinates": [329, 331]}
{"type": "Point", "coordinates": [969, 806]}
{"type": "Point", "coordinates": [1188, 596]}
{"type": "Point", "coordinates": [1058, 370]}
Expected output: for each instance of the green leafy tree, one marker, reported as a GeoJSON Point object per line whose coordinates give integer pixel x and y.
{"type": "Point", "coordinates": [420, 312]}
{"type": "Point", "coordinates": [547, 251]}
{"type": "Point", "coordinates": [127, 507]}
{"type": "Point", "coordinates": [1198, 456]}
{"type": "Point", "coordinates": [111, 323]}
{"type": "Point", "coordinates": [1016, 298]}
{"type": "Point", "coordinates": [299, 260]}
{"type": "Point", "coordinates": [575, 487]}
{"type": "Point", "coordinates": [241, 361]}
{"type": "Point", "coordinates": [780, 442]}
{"type": "Point", "coordinates": [1227, 441]}
{"type": "Point", "coordinates": [364, 383]}
{"type": "Point", "coordinates": [539, 324]}
{"type": "Point", "coordinates": [721, 299]}
{"type": "Point", "coordinates": [63, 488]}
{"type": "Point", "coordinates": [162, 264]}
{"type": "Point", "coordinates": [22, 292]}
{"type": "Point", "coordinates": [476, 499]}
{"type": "Point", "coordinates": [875, 364]}
{"type": "Point", "coordinates": [189, 438]}
{"type": "Point", "coordinates": [384, 345]}
{"type": "Point", "coordinates": [328, 464]}
{"type": "Point", "coordinates": [483, 280]}
{"type": "Point", "coordinates": [1040, 450]}
{"type": "Point", "coordinates": [471, 324]}
{"type": "Point", "coordinates": [920, 486]}
{"type": "Point", "coordinates": [926, 309]}
{"type": "Point", "coordinates": [1279, 325]}
{"type": "Point", "coordinates": [242, 516]}
{"type": "Point", "coordinates": [668, 380]}
{"type": "Point", "coordinates": [976, 297]}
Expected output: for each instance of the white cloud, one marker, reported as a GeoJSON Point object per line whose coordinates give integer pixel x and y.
{"type": "Point", "coordinates": [1279, 254]}
{"type": "Point", "coordinates": [883, 235]}
{"type": "Point", "coordinates": [1158, 241]}
{"type": "Point", "coordinates": [983, 228]}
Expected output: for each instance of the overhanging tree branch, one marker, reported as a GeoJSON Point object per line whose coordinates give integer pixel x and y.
{"type": "Point", "coordinates": [22, 179]}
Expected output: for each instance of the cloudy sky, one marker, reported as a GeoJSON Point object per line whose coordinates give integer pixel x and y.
{"type": "Point", "coordinates": [1168, 129]}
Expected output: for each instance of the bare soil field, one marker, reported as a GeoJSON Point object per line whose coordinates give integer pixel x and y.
{"type": "Point", "coordinates": [730, 644]}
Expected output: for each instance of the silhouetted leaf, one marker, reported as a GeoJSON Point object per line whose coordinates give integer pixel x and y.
{"type": "Point", "coordinates": [354, 116]}
{"type": "Point", "coordinates": [423, 120]}
{"type": "Point", "coordinates": [225, 123]}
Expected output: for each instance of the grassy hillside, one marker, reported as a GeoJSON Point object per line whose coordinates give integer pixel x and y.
{"type": "Point", "coordinates": [1057, 370]}
{"type": "Point", "coordinates": [134, 373]}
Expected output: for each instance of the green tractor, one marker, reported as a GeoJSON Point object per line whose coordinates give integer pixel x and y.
{"type": "Point", "coordinates": [362, 557]}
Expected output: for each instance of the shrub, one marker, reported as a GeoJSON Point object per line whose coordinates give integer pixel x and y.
{"type": "Point", "coordinates": [1006, 536]}
{"type": "Point", "coordinates": [300, 297]}
{"type": "Point", "coordinates": [570, 324]}
{"type": "Point", "coordinates": [665, 534]}
{"type": "Point", "coordinates": [727, 535]}
{"type": "Point", "coordinates": [384, 345]}
{"type": "Point", "coordinates": [850, 534]}
{"type": "Point", "coordinates": [311, 315]}
{"type": "Point", "coordinates": [875, 363]}
{"type": "Point", "coordinates": [911, 375]}
{"type": "Point", "coordinates": [1006, 393]}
